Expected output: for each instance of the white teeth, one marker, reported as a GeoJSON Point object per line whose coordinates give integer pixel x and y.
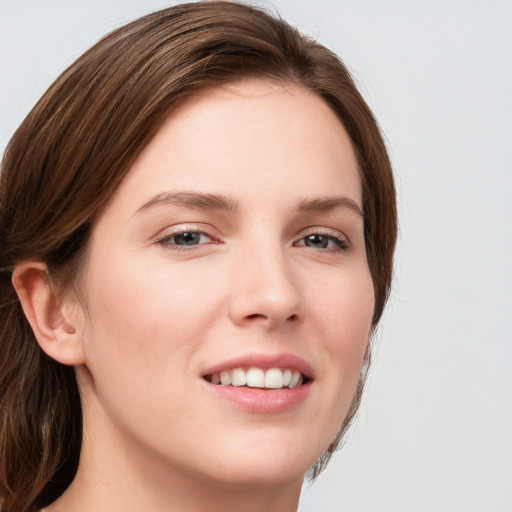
{"type": "Point", "coordinates": [238, 377]}
{"type": "Point", "coordinates": [273, 378]}
{"type": "Point", "coordinates": [256, 378]}
{"type": "Point", "coordinates": [225, 378]}
{"type": "Point", "coordinates": [295, 379]}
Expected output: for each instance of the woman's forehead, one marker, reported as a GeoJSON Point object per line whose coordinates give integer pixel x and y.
{"type": "Point", "coordinates": [248, 138]}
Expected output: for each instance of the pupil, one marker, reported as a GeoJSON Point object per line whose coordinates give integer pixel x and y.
{"type": "Point", "coordinates": [188, 238]}
{"type": "Point", "coordinates": [317, 241]}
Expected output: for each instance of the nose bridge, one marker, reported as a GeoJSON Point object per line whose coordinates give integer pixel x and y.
{"type": "Point", "coordinates": [266, 288]}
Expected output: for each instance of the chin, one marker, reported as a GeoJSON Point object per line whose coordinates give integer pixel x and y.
{"type": "Point", "coordinates": [252, 475]}
{"type": "Point", "coordinates": [265, 462]}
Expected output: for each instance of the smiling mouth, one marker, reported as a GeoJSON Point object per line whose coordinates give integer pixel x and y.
{"type": "Point", "coordinates": [254, 377]}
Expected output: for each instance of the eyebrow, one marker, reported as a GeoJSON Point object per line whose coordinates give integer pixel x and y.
{"type": "Point", "coordinates": [192, 200]}
{"type": "Point", "coordinates": [326, 204]}
{"type": "Point", "coordinates": [225, 203]}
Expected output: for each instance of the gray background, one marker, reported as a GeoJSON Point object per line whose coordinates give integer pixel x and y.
{"type": "Point", "coordinates": [435, 429]}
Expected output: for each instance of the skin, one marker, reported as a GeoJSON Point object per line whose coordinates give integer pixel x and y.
{"type": "Point", "coordinates": [151, 317]}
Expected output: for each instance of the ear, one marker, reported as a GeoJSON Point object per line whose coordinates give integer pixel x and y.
{"type": "Point", "coordinates": [53, 319]}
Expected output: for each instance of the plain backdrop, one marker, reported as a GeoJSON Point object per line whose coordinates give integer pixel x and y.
{"type": "Point", "coordinates": [434, 432]}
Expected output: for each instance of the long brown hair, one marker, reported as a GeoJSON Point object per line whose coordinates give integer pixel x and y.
{"type": "Point", "coordinates": [71, 152]}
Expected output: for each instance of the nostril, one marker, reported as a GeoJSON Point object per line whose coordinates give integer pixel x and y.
{"type": "Point", "coordinates": [255, 315]}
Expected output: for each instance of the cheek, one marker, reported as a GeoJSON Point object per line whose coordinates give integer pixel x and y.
{"type": "Point", "coordinates": [146, 324]}
{"type": "Point", "coordinates": [128, 295]}
{"type": "Point", "coordinates": [147, 316]}
{"type": "Point", "coordinates": [344, 306]}
{"type": "Point", "coordinates": [343, 311]}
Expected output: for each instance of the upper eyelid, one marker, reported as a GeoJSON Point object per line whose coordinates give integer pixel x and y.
{"type": "Point", "coordinates": [324, 231]}
{"type": "Point", "coordinates": [184, 228]}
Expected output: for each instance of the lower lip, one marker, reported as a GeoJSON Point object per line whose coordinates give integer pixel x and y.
{"type": "Point", "coordinates": [265, 401]}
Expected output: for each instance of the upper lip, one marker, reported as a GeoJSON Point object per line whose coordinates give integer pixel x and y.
{"type": "Point", "coordinates": [264, 361]}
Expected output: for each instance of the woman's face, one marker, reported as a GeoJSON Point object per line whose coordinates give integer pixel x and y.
{"type": "Point", "coordinates": [233, 250]}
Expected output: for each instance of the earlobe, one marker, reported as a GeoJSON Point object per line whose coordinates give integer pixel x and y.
{"type": "Point", "coordinates": [51, 317]}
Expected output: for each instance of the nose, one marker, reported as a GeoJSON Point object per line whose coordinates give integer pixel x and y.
{"type": "Point", "coordinates": [265, 290]}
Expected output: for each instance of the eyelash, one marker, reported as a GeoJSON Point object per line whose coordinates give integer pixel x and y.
{"type": "Point", "coordinates": [165, 240]}
{"type": "Point", "coordinates": [341, 243]}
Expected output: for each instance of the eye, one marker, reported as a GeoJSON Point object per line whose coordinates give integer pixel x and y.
{"type": "Point", "coordinates": [182, 240]}
{"type": "Point", "coordinates": [323, 241]}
